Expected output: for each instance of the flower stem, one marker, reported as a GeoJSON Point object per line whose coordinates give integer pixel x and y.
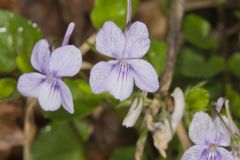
{"type": "Point", "coordinates": [129, 12]}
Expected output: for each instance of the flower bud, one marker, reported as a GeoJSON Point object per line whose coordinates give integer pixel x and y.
{"type": "Point", "coordinates": [134, 112]}
{"type": "Point", "coordinates": [179, 105]}
{"type": "Point", "coordinates": [220, 103]}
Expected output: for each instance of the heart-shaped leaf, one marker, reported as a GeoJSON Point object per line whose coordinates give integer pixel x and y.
{"type": "Point", "coordinates": [192, 64]}
{"type": "Point", "coordinates": [111, 10]}
{"type": "Point", "coordinates": [17, 37]}
{"type": "Point", "coordinates": [196, 30]}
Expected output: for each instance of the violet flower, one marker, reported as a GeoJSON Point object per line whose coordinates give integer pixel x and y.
{"type": "Point", "coordinates": [210, 138]}
{"type": "Point", "coordinates": [47, 86]}
{"type": "Point", "coordinates": [118, 76]}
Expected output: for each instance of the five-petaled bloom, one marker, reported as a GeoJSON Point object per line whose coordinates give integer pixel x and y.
{"type": "Point", "coordinates": [210, 137]}
{"type": "Point", "coordinates": [47, 85]}
{"type": "Point", "coordinates": [118, 76]}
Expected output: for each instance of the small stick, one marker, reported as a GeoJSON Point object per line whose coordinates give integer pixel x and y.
{"type": "Point", "coordinates": [85, 47]}
{"type": "Point", "coordinates": [182, 135]}
{"type": "Point", "coordinates": [177, 11]}
{"type": "Point", "coordinates": [140, 147]}
{"type": "Point", "coordinates": [29, 127]}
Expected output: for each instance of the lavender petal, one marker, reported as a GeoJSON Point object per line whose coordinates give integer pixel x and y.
{"type": "Point", "coordinates": [196, 152]}
{"type": "Point", "coordinates": [66, 95]}
{"type": "Point", "coordinates": [110, 40]}
{"type": "Point", "coordinates": [202, 129]}
{"type": "Point", "coordinates": [29, 84]}
{"type": "Point", "coordinates": [137, 41]}
{"type": "Point", "coordinates": [65, 61]}
{"type": "Point", "coordinates": [144, 75]}
{"type": "Point", "coordinates": [49, 95]}
{"type": "Point", "coordinates": [225, 154]}
{"type": "Point", "coordinates": [120, 81]}
{"type": "Point", "coordinates": [40, 56]}
{"type": "Point", "coordinates": [99, 75]}
{"type": "Point", "coordinates": [223, 137]}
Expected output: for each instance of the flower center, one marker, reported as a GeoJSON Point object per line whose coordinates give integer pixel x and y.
{"type": "Point", "coordinates": [212, 152]}
{"type": "Point", "coordinates": [122, 69]}
{"type": "Point", "coordinates": [51, 79]}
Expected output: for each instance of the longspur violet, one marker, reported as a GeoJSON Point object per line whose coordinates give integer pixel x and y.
{"type": "Point", "coordinates": [47, 86]}
{"type": "Point", "coordinates": [209, 136]}
{"type": "Point", "coordinates": [118, 76]}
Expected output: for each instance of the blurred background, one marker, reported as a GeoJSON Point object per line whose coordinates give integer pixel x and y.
{"type": "Point", "coordinates": [207, 66]}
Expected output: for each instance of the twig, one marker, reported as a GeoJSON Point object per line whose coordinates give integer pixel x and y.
{"type": "Point", "coordinates": [140, 147]}
{"type": "Point", "coordinates": [86, 65]}
{"type": "Point", "coordinates": [29, 127]}
{"type": "Point", "coordinates": [176, 16]}
{"type": "Point", "coordinates": [182, 134]}
{"type": "Point", "coordinates": [85, 47]}
{"type": "Point", "coordinates": [194, 5]}
{"type": "Point", "coordinates": [203, 4]}
{"type": "Point", "coordinates": [177, 11]}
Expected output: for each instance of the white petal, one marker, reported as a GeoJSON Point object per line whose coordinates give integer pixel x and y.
{"type": "Point", "coordinates": [134, 112]}
{"type": "Point", "coordinates": [120, 80]}
{"type": "Point", "coordinates": [49, 95]}
{"type": "Point", "coordinates": [99, 75]}
{"type": "Point", "coordinates": [110, 40]}
{"type": "Point", "coordinates": [195, 152]}
{"type": "Point", "coordinates": [41, 56]}
{"type": "Point", "coordinates": [65, 61]}
{"type": "Point", "coordinates": [145, 76]}
{"type": "Point", "coordinates": [137, 41]}
{"type": "Point", "coordinates": [202, 129]}
{"type": "Point", "coordinates": [29, 84]}
{"type": "Point", "coordinates": [66, 95]}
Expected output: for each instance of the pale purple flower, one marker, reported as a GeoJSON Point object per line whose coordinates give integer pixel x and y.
{"type": "Point", "coordinates": [210, 137]}
{"type": "Point", "coordinates": [47, 86]}
{"type": "Point", "coordinates": [118, 76]}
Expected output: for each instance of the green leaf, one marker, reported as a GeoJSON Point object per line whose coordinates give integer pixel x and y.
{"type": "Point", "coordinates": [83, 129]}
{"type": "Point", "coordinates": [126, 153]}
{"type": "Point", "coordinates": [196, 30]}
{"type": "Point", "coordinates": [109, 10]}
{"type": "Point", "coordinates": [84, 101]}
{"type": "Point", "coordinates": [23, 63]}
{"type": "Point", "coordinates": [233, 64]}
{"type": "Point", "coordinates": [7, 87]}
{"type": "Point", "coordinates": [157, 55]}
{"type": "Point", "coordinates": [197, 99]}
{"type": "Point", "coordinates": [57, 142]}
{"type": "Point", "coordinates": [17, 37]}
{"type": "Point", "coordinates": [237, 14]}
{"type": "Point", "coordinates": [192, 64]}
